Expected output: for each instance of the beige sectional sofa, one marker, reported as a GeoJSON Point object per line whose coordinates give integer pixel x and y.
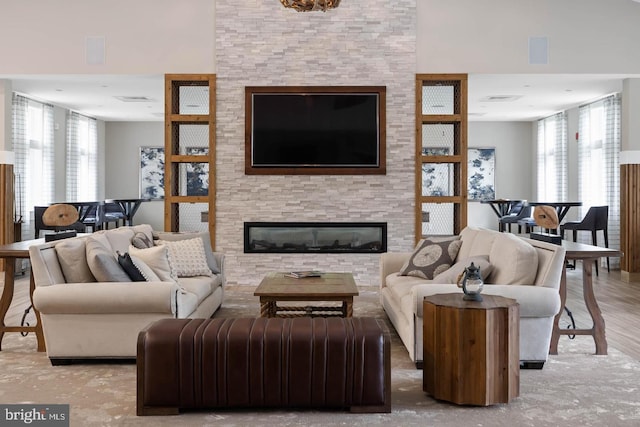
{"type": "Point", "coordinates": [526, 270]}
{"type": "Point", "coordinates": [90, 308]}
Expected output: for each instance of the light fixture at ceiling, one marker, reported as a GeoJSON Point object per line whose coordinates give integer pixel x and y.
{"type": "Point", "coordinates": [310, 5]}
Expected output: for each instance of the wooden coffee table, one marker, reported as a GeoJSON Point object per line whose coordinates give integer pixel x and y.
{"type": "Point", "coordinates": [328, 287]}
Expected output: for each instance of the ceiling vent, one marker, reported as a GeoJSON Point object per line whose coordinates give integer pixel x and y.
{"type": "Point", "coordinates": [500, 98]}
{"type": "Point", "coordinates": [135, 99]}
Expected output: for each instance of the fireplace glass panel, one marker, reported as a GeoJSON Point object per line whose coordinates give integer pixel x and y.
{"type": "Point", "coordinates": [282, 237]}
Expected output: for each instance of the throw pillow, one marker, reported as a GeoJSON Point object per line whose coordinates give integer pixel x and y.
{"type": "Point", "coordinates": [518, 261]}
{"type": "Point", "coordinates": [147, 272]}
{"type": "Point", "coordinates": [141, 241]}
{"type": "Point", "coordinates": [451, 275]}
{"type": "Point", "coordinates": [206, 240]}
{"type": "Point", "coordinates": [431, 257]}
{"type": "Point", "coordinates": [187, 257]}
{"type": "Point", "coordinates": [129, 267]}
{"type": "Point", "coordinates": [72, 255]}
{"type": "Point", "coordinates": [103, 263]}
{"type": "Point", "coordinates": [157, 258]}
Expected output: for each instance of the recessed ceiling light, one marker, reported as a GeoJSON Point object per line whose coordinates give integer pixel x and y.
{"type": "Point", "coordinates": [135, 99]}
{"type": "Point", "coordinates": [500, 98]}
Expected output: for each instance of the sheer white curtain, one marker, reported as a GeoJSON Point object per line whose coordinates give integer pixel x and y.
{"type": "Point", "coordinates": [82, 158]}
{"type": "Point", "coordinates": [552, 158]}
{"type": "Point", "coordinates": [598, 163]}
{"type": "Point", "coordinates": [33, 144]}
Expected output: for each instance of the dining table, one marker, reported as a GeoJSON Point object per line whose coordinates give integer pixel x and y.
{"type": "Point", "coordinates": [129, 207]}
{"type": "Point", "coordinates": [562, 208]}
{"type": "Point", "coordinates": [501, 207]}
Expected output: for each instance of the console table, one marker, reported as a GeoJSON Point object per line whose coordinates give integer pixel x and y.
{"type": "Point", "coordinates": [11, 252]}
{"type": "Point", "coordinates": [587, 254]}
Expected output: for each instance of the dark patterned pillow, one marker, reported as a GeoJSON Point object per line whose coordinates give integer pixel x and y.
{"type": "Point", "coordinates": [130, 268]}
{"type": "Point", "coordinates": [141, 241]}
{"type": "Point", "coordinates": [431, 257]}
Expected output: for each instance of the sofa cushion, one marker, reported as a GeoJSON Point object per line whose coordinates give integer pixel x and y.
{"type": "Point", "coordinates": [103, 264]}
{"type": "Point", "coordinates": [476, 241]}
{"type": "Point", "coordinates": [431, 257]}
{"type": "Point", "coordinates": [141, 241]}
{"type": "Point", "coordinates": [157, 258]}
{"type": "Point", "coordinates": [147, 272]}
{"type": "Point", "coordinates": [206, 240]}
{"type": "Point", "coordinates": [132, 270]}
{"type": "Point", "coordinates": [399, 286]}
{"type": "Point", "coordinates": [199, 286]}
{"type": "Point", "coordinates": [451, 275]}
{"type": "Point", "coordinates": [514, 261]}
{"type": "Point", "coordinates": [101, 237]}
{"type": "Point", "coordinates": [72, 257]}
{"type": "Point", "coordinates": [186, 303]}
{"type": "Point", "coordinates": [119, 238]}
{"type": "Point", "coordinates": [187, 257]}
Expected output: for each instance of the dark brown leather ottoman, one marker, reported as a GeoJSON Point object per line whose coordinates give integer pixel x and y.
{"type": "Point", "coordinates": [341, 363]}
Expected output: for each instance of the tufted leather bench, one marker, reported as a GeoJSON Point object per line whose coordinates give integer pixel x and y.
{"type": "Point", "coordinates": [300, 362]}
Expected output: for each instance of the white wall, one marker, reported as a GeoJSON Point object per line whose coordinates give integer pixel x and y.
{"type": "Point", "coordinates": [122, 160]}
{"type": "Point", "coordinates": [492, 36]}
{"type": "Point", "coordinates": [141, 37]}
{"type": "Point", "coordinates": [513, 143]}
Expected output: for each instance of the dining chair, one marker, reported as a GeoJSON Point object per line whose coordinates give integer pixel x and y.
{"type": "Point", "coordinates": [514, 218]}
{"type": "Point", "coordinates": [596, 219]}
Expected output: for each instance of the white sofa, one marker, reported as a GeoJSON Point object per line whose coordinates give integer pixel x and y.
{"type": "Point", "coordinates": [510, 259]}
{"type": "Point", "coordinates": [83, 318]}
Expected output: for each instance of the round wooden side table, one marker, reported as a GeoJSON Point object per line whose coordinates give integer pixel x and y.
{"type": "Point", "coordinates": [471, 349]}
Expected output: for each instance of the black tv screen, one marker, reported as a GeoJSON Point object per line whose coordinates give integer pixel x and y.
{"type": "Point", "coordinates": [315, 130]}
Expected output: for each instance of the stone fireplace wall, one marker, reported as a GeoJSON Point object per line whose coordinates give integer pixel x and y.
{"type": "Point", "coordinates": [260, 43]}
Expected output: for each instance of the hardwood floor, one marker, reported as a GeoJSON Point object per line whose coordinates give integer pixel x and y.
{"type": "Point", "coordinates": [619, 302]}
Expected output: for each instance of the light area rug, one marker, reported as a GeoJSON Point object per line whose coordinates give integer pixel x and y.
{"type": "Point", "coordinates": [575, 388]}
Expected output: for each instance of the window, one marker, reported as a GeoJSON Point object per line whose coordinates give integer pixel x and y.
{"type": "Point", "coordinates": [33, 144]}
{"type": "Point", "coordinates": [552, 158]}
{"type": "Point", "coordinates": [598, 161]}
{"type": "Point", "coordinates": [82, 158]}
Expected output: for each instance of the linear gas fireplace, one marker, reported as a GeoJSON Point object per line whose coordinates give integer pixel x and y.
{"type": "Point", "coordinates": [315, 237]}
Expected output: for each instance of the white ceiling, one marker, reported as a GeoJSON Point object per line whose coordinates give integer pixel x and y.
{"type": "Point", "coordinates": [537, 95]}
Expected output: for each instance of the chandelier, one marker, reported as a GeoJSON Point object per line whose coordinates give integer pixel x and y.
{"type": "Point", "coordinates": [310, 5]}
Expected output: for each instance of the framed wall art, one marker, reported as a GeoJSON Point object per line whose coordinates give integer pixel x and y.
{"type": "Point", "coordinates": [481, 172]}
{"type": "Point", "coordinates": [152, 173]}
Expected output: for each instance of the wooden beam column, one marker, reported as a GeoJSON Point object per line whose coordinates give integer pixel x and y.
{"type": "Point", "coordinates": [6, 199]}
{"type": "Point", "coordinates": [630, 220]}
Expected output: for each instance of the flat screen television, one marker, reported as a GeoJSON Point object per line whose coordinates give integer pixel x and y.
{"type": "Point", "coordinates": [315, 130]}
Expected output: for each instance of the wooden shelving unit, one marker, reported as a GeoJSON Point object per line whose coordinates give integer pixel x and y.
{"type": "Point", "coordinates": [441, 154]}
{"type": "Point", "coordinates": [189, 108]}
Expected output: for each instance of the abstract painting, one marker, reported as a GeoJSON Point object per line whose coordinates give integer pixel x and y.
{"type": "Point", "coordinates": [197, 173]}
{"type": "Point", "coordinates": [482, 177]}
{"type": "Point", "coordinates": [152, 173]}
{"type": "Point", "coordinates": [436, 177]}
